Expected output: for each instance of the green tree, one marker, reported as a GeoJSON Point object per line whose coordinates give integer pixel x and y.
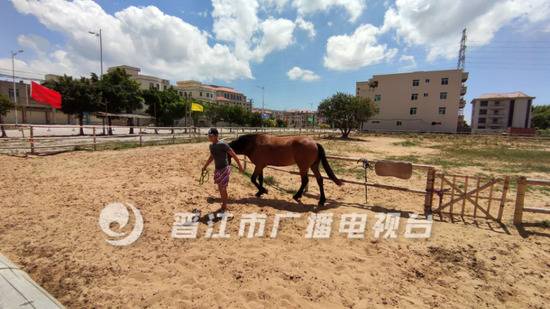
{"type": "Point", "coordinates": [79, 96]}
{"type": "Point", "coordinates": [5, 106]}
{"type": "Point", "coordinates": [119, 94]}
{"type": "Point", "coordinates": [346, 111]}
{"type": "Point", "coordinates": [166, 106]}
{"type": "Point", "coordinates": [281, 123]}
{"type": "Point", "coordinates": [541, 117]}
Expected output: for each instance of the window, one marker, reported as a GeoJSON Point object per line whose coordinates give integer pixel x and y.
{"type": "Point", "coordinates": [495, 120]}
{"type": "Point", "coordinates": [497, 103]}
{"type": "Point", "coordinates": [443, 95]}
{"type": "Point", "coordinates": [495, 111]}
{"type": "Point", "coordinates": [436, 123]}
{"type": "Point", "coordinates": [444, 81]}
{"type": "Point", "coordinates": [375, 121]}
{"type": "Point", "coordinates": [482, 120]}
{"type": "Point", "coordinates": [416, 82]}
{"type": "Point", "coordinates": [200, 94]}
{"type": "Point", "coordinates": [483, 112]}
{"type": "Point", "coordinates": [414, 96]}
{"type": "Point", "coordinates": [377, 97]}
{"type": "Point", "coordinates": [425, 94]}
{"type": "Point", "coordinates": [481, 127]}
{"type": "Point", "coordinates": [427, 81]}
{"type": "Point", "coordinates": [442, 110]}
{"type": "Point", "coordinates": [398, 123]}
{"type": "Point", "coordinates": [412, 111]}
{"type": "Point", "coordinates": [483, 103]}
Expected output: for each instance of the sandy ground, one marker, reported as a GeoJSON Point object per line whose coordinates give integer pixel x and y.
{"type": "Point", "coordinates": [49, 225]}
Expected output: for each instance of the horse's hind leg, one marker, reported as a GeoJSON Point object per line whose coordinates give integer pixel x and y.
{"type": "Point", "coordinates": [305, 180]}
{"type": "Point", "coordinates": [319, 177]}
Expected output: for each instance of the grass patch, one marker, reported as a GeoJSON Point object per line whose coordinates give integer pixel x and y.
{"type": "Point", "coordinates": [407, 158]}
{"type": "Point", "coordinates": [408, 143]}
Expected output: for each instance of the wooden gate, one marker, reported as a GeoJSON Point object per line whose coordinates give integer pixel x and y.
{"type": "Point", "coordinates": [471, 196]}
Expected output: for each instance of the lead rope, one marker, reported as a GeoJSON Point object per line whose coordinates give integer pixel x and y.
{"type": "Point", "coordinates": [204, 177]}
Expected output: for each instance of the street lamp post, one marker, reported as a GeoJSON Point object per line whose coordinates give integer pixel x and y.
{"type": "Point", "coordinates": [263, 104]}
{"type": "Point", "coordinates": [99, 34]}
{"type": "Point", "coordinates": [13, 54]}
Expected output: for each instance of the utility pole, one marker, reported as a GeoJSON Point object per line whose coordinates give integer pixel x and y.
{"type": "Point", "coordinates": [13, 54]}
{"type": "Point", "coordinates": [263, 103]}
{"type": "Point", "coordinates": [462, 52]}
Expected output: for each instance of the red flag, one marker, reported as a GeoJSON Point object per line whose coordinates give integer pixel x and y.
{"type": "Point", "coordinates": [45, 95]}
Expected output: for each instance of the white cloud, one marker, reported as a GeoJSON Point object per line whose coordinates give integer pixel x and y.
{"type": "Point", "coordinates": [408, 61]}
{"type": "Point", "coordinates": [143, 37]}
{"type": "Point", "coordinates": [351, 52]}
{"type": "Point", "coordinates": [438, 24]}
{"type": "Point", "coordinates": [237, 22]}
{"type": "Point", "coordinates": [297, 73]}
{"type": "Point", "coordinates": [33, 42]}
{"type": "Point", "coordinates": [306, 26]}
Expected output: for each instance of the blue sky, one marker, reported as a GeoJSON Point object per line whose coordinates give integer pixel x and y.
{"type": "Point", "coordinates": [246, 43]}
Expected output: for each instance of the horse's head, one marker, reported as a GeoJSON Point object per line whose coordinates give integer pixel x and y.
{"type": "Point", "coordinates": [244, 144]}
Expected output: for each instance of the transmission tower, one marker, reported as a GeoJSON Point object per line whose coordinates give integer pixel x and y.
{"type": "Point", "coordinates": [462, 52]}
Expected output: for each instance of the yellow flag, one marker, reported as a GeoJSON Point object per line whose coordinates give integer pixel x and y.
{"type": "Point", "coordinates": [196, 107]}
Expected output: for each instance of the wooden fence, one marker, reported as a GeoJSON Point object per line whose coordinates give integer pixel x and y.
{"type": "Point", "coordinates": [36, 139]}
{"type": "Point", "coordinates": [523, 184]}
{"type": "Point", "coordinates": [474, 196]}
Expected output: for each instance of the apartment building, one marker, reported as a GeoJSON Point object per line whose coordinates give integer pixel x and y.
{"type": "Point", "coordinates": [498, 112]}
{"type": "Point", "coordinates": [213, 93]}
{"type": "Point", "coordinates": [301, 118]}
{"type": "Point", "coordinates": [145, 81]}
{"type": "Point", "coordinates": [424, 101]}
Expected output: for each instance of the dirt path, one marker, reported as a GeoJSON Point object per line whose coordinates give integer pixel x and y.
{"type": "Point", "coordinates": [49, 225]}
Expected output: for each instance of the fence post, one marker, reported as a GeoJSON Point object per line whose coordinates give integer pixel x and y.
{"type": "Point", "coordinates": [520, 198]}
{"type": "Point", "coordinates": [430, 180]}
{"type": "Point", "coordinates": [505, 186]}
{"type": "Point", "coordinates": [31, 139]}
{"type": "Point", "coordinates": [140, 138]}
{"type": "Point", "coordinates": [94, 139]}
{"type": "Point", "coordinates": [244, 160]}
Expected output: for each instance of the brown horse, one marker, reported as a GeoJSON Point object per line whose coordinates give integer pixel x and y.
{"type": "Point", "coordinates": [264, 150]}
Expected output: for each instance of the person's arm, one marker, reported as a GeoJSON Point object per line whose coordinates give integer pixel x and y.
{"type": "Point", "coordinates": [234, 156]}
{"type": "Point", "coordinates": [210, 159]}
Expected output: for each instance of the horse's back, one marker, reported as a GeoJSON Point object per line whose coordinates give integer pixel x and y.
{"type": "Point", "coordinates": [286, 150]}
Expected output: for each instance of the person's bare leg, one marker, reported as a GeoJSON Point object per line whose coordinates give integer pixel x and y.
{"type": "Point", "coordinates": [223, 195]}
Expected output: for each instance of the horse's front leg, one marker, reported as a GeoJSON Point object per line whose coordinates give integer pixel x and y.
{"type": "Point", "coordinates": [258, 172]}
{"type": "Point", "coordinates": [261, 180]}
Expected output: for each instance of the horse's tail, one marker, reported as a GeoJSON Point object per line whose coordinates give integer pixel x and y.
{"type": "Point", "coordinates": [326, 166]}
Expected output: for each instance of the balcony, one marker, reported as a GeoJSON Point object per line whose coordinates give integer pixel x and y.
{"type": "Point", "coordinates": [461, 103]}
{"type": "Point", "coordinates": [464, 76]}
{"type": "Point", "coordinates": [463, 90]}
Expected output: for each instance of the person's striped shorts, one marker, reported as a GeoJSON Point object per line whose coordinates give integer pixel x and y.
{"type": "Point", "coordinates": [221, 176]}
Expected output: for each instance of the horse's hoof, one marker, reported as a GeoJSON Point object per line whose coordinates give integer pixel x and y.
{"type": "Point", "coordinates": [321, 204]}
{"type": "Point", "coordinates": [297, 199]}
{"type": "Point", "coordinates": [259, 193]}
